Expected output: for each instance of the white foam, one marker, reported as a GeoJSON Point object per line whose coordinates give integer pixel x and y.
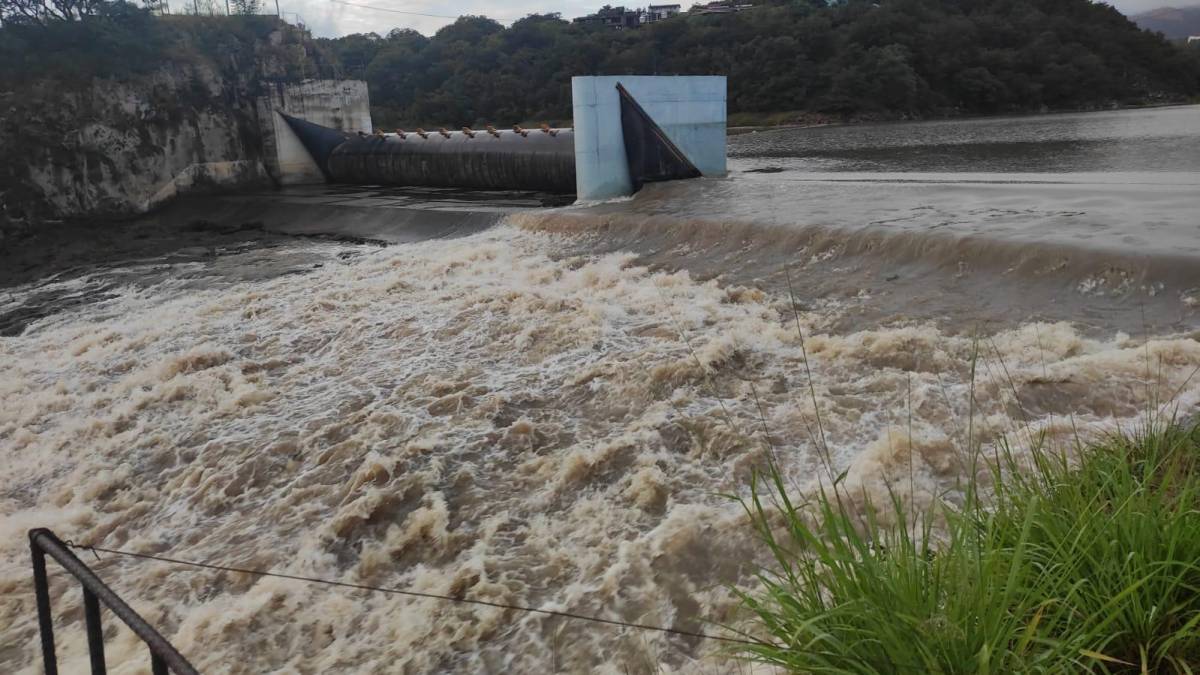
{"type": "Point", "coordinates": [479, 416]}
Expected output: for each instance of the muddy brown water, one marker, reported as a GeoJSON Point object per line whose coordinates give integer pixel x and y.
{"type": "Point", "coordinates": [543, 407]}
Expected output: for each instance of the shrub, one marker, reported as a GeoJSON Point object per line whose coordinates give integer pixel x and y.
{"type": "Point", "coordinates": [1080, 561]}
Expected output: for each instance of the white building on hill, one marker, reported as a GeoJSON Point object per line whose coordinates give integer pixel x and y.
{"type": "Point", "coordinates": [660, 12]}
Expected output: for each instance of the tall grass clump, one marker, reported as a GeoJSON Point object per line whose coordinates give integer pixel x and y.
{"type": "Point", "coordinates": [1050, 564]}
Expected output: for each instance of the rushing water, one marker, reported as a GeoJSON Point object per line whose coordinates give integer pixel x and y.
{"type": "Point", "coordinates": [546, 412]}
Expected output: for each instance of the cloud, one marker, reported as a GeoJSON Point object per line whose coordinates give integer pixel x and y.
{"type": "Point", "coordinates": [329, 19]}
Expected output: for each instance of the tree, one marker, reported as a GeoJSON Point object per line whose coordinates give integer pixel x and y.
{"type": "Point", "coordinates": [43, 12]}
{"type": "Point", "coordinates": [880, 58]}
{"type": "Point", "coordinates": [247, 6]}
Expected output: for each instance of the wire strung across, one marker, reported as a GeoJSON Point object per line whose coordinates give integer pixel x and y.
{"type": "Point", "coordinates": [96, 550]}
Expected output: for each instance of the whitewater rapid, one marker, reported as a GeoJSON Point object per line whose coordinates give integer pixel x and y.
{"type": "Point", "coordinates": [499, 416]}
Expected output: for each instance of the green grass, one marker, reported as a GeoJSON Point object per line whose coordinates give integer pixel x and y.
{"type": "Point", "coordinates": [1057, 565]}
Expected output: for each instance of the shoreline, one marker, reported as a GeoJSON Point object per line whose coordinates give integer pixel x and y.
{"type": "Point", "coordinates": [842, 121]}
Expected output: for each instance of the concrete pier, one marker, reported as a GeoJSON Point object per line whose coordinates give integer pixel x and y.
{"type": "Point", "coordinates": [675, 130]}
{"type": "Point", "coordinates": [338, 104]}
{"type": "Point", "coordinates": [689, 110]}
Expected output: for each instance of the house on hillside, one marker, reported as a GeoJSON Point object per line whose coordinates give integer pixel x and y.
{"type": "Point", "coordinates": [614, 17]}
{"type": "Point", "coordinates": [720, 7]}
{"type": "Point", "coordinates": [1193, 38]}
{"type": "Point", "coordinates": [656, 13]}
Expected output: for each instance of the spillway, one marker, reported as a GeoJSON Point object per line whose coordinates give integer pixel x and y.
{"type": "Point", "coordinates": [628, 131]}
{"type": "Point", "coordinates": [531, 159]}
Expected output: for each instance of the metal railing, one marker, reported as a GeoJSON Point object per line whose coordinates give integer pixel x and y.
{"type": "Point", "coordinates": [163, 657]}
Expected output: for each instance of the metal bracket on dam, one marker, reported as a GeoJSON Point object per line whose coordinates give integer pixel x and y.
{"type": "Point", "coordinates": [628, 131]}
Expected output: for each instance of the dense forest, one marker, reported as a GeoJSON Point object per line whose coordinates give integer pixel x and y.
{"type": "Point", "coordinates": [848, 59]}
{"type": "Point", "coordinates": [120, 40]}
{"type": "Point", "coordinates": [851, 59]}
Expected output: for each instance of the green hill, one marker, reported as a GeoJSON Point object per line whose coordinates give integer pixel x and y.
{"type": "Point", "coordinates": [855, 58]}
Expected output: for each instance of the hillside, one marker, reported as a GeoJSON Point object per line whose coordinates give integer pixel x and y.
{"type": "Point", "coordinates": [1175, 23]}
{"type": "Point", "coordinates": [100, 118]}
{"type": "Point", "coordinates": [855, 59]}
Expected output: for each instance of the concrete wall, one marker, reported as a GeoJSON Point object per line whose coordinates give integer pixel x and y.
{"type": "Point", "coordinates": [210, 177]}
{"type": "Point", "coordinates": [340, 104]}
{"type": "Point", "coordinates": [690, 111]}
{"type": "Point", "coordinates": [287, 159]}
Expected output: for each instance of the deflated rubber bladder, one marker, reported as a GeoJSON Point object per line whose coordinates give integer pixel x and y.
{"type": "Point", "coordinates": [318, 140]}
{"type": "Point", "coordinates": [500, 160]}
{"type": "Point", "coordinates": [540, 159]}
{"type": "Point", "coordinates": [651, 155]}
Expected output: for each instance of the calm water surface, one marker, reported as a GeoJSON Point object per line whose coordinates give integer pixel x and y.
{"type": "Point", "coordinates": [1161, 139]}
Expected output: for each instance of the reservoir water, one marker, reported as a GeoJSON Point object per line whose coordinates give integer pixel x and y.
{"type": "Point", "coordinates": [547, 411]}
{"type": "Point", "coordinates": [1153, 140]}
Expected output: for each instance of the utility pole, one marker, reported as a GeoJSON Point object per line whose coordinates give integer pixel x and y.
{"type": "Point", "coordinates": [277, 12]}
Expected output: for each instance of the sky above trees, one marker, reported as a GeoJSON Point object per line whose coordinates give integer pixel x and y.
{"type": "Point", "coordinates": [898, 59]}
{"type": "Point", "coordinates": [331, 19]}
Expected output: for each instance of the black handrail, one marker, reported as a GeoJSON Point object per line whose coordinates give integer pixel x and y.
{"type": "Point", "coordinates": [163, 656]}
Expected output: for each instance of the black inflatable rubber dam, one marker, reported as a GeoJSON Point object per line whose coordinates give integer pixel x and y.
{"type": "Point", "coordinates": [519, 159]}
{"type": "Point", "coordinates": [530, 159]}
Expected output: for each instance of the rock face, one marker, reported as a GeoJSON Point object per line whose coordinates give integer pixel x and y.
{"type": "Point", "coordinates": [115, 148]}
{"type": "Point", "coordinates": [111, 149]}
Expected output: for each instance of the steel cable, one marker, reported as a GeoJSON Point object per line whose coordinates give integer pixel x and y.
{"type": "Point", "coordinates": [96, 550]}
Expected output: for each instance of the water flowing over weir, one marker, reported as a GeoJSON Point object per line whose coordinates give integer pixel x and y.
{"type": "Point", "coordinates": [630, 130]}
{"type": "Point", "coordinates": [485, 160]}
{"type": "Point", "coordinates": [498, 160]}
{"type": "Point", "coordinates": [493, 416]}
{"type": "Point", "coordinates": [1119, 252]}
{"type": "Point", "coordinates": [542, 408]}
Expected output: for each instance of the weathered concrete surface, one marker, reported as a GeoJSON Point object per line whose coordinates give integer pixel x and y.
{"type": "Point", "coordinates": [338, 104]}
{"type": "Point", "coordinates": [689, 110]}
{"type": "Point", "coordinates": [211, 176]}
{"type": "Point", "coordinates": [287, 160]}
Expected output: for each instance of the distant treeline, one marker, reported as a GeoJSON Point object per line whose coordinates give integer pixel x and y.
{"type": "Point", "coordinates": [848, 59]}
{"type": "Point", "coordinates": [854, 58]}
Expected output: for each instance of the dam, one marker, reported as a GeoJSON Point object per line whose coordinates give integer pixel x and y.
{"type": "Point", "coordinates": [542, 160]}
{"type": "Point", "coordinates": [629, 131]}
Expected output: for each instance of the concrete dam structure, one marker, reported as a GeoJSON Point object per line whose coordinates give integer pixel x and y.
{"type": "Point", "coordinates": [520, 159]}
{"type": "Point", "coordinates": [628, 131]}
{"type": "Point", "coordinates": [486, 160]}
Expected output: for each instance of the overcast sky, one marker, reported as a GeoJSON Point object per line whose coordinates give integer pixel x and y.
{"type": "Point", "coordinates": [327, 18]}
